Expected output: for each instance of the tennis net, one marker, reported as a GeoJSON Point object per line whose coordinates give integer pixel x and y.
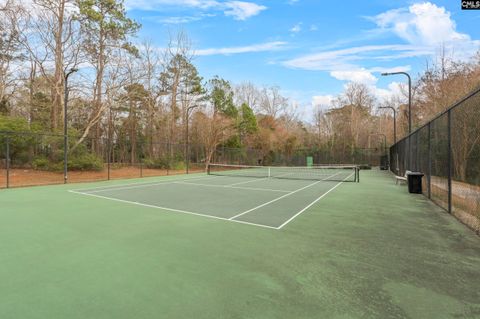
{"type": "Point", "coordinates": [343, 173]}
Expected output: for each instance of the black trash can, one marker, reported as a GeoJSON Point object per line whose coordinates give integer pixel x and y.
{"type": "Point", "coordinates": [384, 162]}
{"type": "Point", "coordinates": [414, 182]}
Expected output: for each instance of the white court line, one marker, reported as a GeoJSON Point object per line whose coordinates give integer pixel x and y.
{"type": "Point", "coordinates": [130, 187]}
{"type": "Point", "coordinates": [138, 185]}
{"type": "Point", "coordinates": [235, 187]}
{"type": "Point", "coordinates": [259, 179]}
{"type": "Point", "coordinates": [276, 199]}
{"type": "Point", "coordinates": [222, 218]}
{"type": "Point", "coordinates": [312, 203]}
{"type": "Point", "coordinates": [273, 200]}
{"type": "Point", "coordinates": [171, 209]}
{"type": "Point", "coordinates": [249, 181]}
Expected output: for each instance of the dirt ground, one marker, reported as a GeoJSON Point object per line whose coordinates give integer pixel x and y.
{"type": "Point", "coordinates": [31, 177]}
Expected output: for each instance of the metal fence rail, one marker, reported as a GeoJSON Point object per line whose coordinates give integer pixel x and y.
{"type": "Point", "coordinates": [447, 151]}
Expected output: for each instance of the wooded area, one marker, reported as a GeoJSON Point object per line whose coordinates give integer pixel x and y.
{"type": "Point", "coordinates": [130, 101]}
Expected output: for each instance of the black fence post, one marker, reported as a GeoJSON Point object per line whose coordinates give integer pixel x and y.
{"type": "Point", "coordinates": [429, 161]}
{"type": "Point", "coordinates": [109, 155]}
{"type": "Point", "coordinates": [409, 152]}
{"type": "Point", "coordinates": [449, 157]}
{"type": "Point", "coordinates": [7, 158]}
{"type": "Point", "coordinates": [65, 152]}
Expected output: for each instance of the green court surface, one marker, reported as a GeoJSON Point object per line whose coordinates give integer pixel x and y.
{"type": "Point", "coordinates": [203, 246]}
{"type": "Point", "coordinates": [264, 202]}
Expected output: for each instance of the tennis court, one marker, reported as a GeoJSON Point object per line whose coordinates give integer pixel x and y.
{"type": "Point", "coordinates": [260, 196]}
{"type": "Point", "coordinates": [165, 248]}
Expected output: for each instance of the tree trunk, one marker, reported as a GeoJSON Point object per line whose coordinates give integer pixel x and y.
{"type": "Point", "coordinates": [57, 89]}
{"type": "Point", "coordinates": [97, 102]}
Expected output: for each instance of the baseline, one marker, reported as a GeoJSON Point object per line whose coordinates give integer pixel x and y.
{"type": "Point", "coordinates": [172, 209]}
{"type": "Point", "coordinates": [139, 185]}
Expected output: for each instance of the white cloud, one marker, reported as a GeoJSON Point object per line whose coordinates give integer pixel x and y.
{"type": "Point", "coordinates": [180, 19]}
{"type": "Point", "coordinates": [296, 28]}
{"type": "Point", "coordinates": [422, 24]}
{"type": "Point", "coordinates": [313, 27]}
{"type": "Point", "coordinates": [428, 27]}
{"type": "Point", "coordinates": [269, 46]}
{"type": "Point", "coordinates": [393, 89]}
{"type": "Point", "coordinates": [242, 10]}
{"type": "Point", "coordinates": [322, 100]}
{"type": "Point", "coordinates": [401, 68]}
{"type": "Point", "coordinates": [361, 76]}
{"type": "Point", "coordinates": [158, 5]}
{"type": "Point", "coordinates": [344, 59]}
{"type": "Point", "coordinates": [239, 10]}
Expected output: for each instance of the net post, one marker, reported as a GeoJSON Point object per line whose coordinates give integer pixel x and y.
{"type": "Point", "coordinates": [449, 156]}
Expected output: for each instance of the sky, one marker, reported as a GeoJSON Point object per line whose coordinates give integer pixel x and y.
{"type": "Point", "coordinates": [312, 48]}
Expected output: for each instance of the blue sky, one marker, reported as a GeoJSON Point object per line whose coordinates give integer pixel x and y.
{"type": "Point", "coordinates": [312, 48]}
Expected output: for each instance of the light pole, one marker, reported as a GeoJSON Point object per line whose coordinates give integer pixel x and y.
{"type": "Point", "coordinates": [409, 96]}
{"type": "Point", "coordinates": [394, 121]}
{"type": "Point", "coordinates": [409, 109]}
{"type": "Point", "coordinates": [187, 157]}
{"type": "Point", "coordinates": [65, 128]}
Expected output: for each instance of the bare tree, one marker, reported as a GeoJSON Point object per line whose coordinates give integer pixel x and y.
{"type": "Point", "coordinates": [150, 64]}
{"type": "Point", "coordinates": [272, 103]}
{"type": "Point", "coordinates": [213, 129]}
{"type": "Point", "coordinates": [358, 101]}
{"type": "Point", "coordinates": [10, 50]}
{"type": "Point", "coordinates": [179, 81]}
{"type": "Point", "coordinates": [52, 43]}
{"type": "Point", "coordinates": [247, 93]}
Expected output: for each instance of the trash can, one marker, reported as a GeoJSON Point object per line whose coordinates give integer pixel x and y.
{"type": "Point", "coordinates": [414, 182]}
{"type": "Point", "coordinates": [384, 162]}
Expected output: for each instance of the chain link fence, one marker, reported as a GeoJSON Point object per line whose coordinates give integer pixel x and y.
{"type": "Point", "coordinates": [28, 158]}
{"type": "Point", "coordinates": [447, 151]}
{"type": "Point", "coordinates": [366, 157]}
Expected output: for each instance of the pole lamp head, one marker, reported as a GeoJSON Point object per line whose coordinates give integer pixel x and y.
{"type": "Point", "coordinates": [72, 70]}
